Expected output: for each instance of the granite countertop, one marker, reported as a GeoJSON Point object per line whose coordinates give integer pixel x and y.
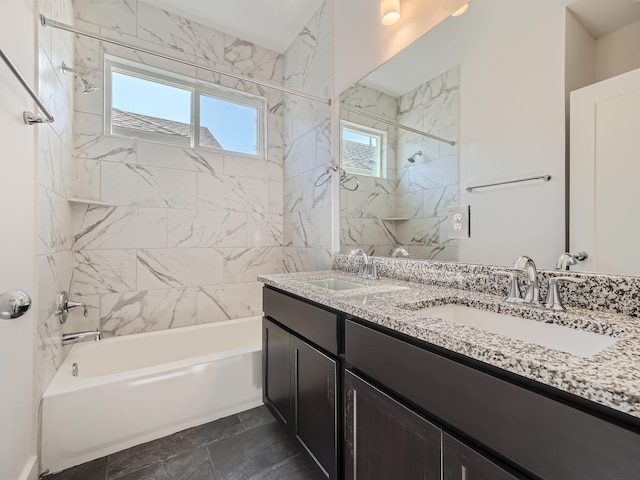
{"type": "Point", "coordinates": [611, 377]}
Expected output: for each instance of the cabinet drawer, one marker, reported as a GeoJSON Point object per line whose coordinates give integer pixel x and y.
{"type": "Point", "coordinates": [313, 323]}
{"type": "Point", "coordinates": [548, 438]}
{"type": "Point", "coordinates": [460, 462]}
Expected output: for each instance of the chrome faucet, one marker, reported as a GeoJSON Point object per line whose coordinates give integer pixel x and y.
{"type": "Point", "coordinates": [359, 251]}
{"type": "Point", "coordinates": [69, 338]}
{"type": "Point", "coordinates": [567, 259]}
{"type": "Point", "coordinates": [400, 252]}
{"type": "Point", "coordinates": [366, 270]}
{"type": "Point", "coordinates": [532, 295]}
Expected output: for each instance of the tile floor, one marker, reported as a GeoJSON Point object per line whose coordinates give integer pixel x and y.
{"type": "Point", "coordinates": [248, 446]}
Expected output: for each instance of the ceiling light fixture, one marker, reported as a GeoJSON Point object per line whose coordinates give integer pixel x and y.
{"type": "Point", "coordinates": [389, 11]}
{"type": "Point", "coordinates": [461, 10]}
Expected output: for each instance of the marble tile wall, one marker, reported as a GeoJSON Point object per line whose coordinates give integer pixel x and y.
{"type": "Point", "coordinates": [186, 231]}
{"type": "Point", "coordinates": [422, 192]}
{"type": "Point", "coordinates": [427, 188]}
{"type": "Point", "coordinates": [361, 211]}
{"type": "Point", "coordinates": [54, 214]}
{"type": "Point", "coordinates": [307, 146]}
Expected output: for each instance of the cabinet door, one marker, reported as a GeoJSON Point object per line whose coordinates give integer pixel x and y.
{"type": "Point", "coordinates": [386, 440]}
{"type": "Point", "coordinates": [314, 393]}
{"type": "Point", "coordinates": [276, 371]}
{"type": "Point", "coordinates": [459, 462]}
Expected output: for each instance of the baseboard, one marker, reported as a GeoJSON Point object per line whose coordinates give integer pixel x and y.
{"type": "Point", "coordinates": [30, 471]}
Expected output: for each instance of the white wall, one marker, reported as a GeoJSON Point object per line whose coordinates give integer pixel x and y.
{"type": "Point", "coordinates": [512, 126]}
{"type": "Point", "coordinates": [580, 56]}
{"type": "Point", "coordinates": [17, 208]}
{"type": "Point", "coordinates": [618, 52]}
{"type": "Point", "coordinates": [364, 43]}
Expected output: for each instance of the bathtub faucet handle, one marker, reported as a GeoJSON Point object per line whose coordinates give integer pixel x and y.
{"type": "Point", "coordinates": [64, 305]}
{"type": "Point", "coordinates": [85, 310]}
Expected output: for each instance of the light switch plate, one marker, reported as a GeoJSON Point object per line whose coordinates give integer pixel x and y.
{"type": "Point", "coordinates": [458, 222]}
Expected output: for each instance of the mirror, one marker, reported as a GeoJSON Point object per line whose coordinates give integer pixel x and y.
{"type": "Point", "coordinates": [495, 80]}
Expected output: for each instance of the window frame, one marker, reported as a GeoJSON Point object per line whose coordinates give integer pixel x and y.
{"type": "Point", "coordinates": [197, 89]}
{"type": "Point", "coordinates": [382, 148]}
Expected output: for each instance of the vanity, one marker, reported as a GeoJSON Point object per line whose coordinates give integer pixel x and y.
{"type": "Point", "coordinates": [373, 384]}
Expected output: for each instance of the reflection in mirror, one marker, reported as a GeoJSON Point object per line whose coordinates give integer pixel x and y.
{"type": "Point", "coordinates": [497, 81]}
{"type": "Point", "coordinates": [408, 180]}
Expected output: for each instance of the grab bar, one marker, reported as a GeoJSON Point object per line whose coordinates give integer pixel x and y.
{"type": "Point", "coordinates": [30, 118]}
{"type": "Point", "coordinates": [546, 178]}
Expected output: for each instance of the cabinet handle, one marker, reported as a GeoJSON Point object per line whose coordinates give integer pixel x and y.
{"type": "Point", "coordinates": [355, 434]}
{"type": "Point", "coordinates": [463, 472]}
{"type": "Point", "coordinates": [295, 389]}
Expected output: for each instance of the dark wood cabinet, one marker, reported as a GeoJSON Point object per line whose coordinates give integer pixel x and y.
{"type": "Point", "coordinates": [299, 388]}
{"type": "Point", "coordinates": [315, 404]}
{"type": "Point", "coordinates": [384, 439]}
{"type": "Point", "coordinates": [356, 425]}
{"type": "Point", "coordinates": [276, 371]}
{"type": "Point", "coordinates": [460, 462]}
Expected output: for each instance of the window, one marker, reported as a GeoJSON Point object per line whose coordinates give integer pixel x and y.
{"type": "Point", "coordinates": [363, 149]}
{"type": "Point", "coordinates": [150, 104]}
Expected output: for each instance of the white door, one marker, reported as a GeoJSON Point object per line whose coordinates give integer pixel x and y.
{"type": "Point", "coordinates": [605, 174]}
{"type": "Point", "coordinates": [17, 237]}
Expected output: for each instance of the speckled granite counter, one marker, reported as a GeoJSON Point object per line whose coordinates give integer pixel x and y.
{"type": "Point", "coordinates": [610, 378]}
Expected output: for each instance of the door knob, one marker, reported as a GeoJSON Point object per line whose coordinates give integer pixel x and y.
{"type": "Point", "coordinates": [14, 304]}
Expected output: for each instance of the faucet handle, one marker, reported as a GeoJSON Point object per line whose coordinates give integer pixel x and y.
{"type": "Point", "coordinates": [554, 302]}
{"type": "Point", "coordinates": [71, 305]}
{"type": "Point", "coordinates": [514, 295]}
{"type": "Point", "coordinates": [64, 305]}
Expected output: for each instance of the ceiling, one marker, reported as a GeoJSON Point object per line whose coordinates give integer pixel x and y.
{"type": "Point", "coordinates": [269, 23]}
{"type": "Point", "coordinates": [486, 21]}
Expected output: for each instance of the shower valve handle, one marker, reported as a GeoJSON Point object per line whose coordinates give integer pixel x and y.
{"type": "Point", "coordinates": [64, 305]}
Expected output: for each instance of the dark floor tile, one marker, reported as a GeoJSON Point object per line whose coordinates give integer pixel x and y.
{"type": "Point", "coordinates": [299, 467]}
{"type": "Point", "coordinates": [94, 470]}
{"type": "Point", "coordinates": [247, 454]}
{"type": "Point", "coordinates": [140, 456]}
{"type": "Point", "coordinates": [256, 417]}
{"type": "Point", "coordinates": [212, 431]}
{"type": "Point", "coordinates": [194, 465]}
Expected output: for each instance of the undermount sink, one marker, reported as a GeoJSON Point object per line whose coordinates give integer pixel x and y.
{"type": "Point", "coordinates": [335, 284]}
{"type": "Point", "coordinates": [549, 335]}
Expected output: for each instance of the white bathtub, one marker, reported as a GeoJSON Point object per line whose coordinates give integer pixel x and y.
{"type": "Point", "coordinates": [137, 388]}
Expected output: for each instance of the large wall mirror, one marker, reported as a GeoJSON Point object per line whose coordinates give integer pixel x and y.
{"type": "Point", "coordinates": [482, 99]}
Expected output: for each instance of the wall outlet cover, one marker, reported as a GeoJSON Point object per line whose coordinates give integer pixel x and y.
{"type": "Point", "coordinates": [458, 222]}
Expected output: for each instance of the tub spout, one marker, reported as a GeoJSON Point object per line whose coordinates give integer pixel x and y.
{"type": "Point", "coordinates": [69, 338]}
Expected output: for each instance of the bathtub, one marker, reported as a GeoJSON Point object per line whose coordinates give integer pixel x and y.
{"type": "Point", "coordinates": [136, 388]}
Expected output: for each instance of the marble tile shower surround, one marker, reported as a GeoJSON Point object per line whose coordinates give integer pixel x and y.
{"type": "Point", "coordinates": [54, 258]}
{"type": "Point", "coordinates": [422, 191]}
{"type": "Point", "coordinates": [599, 292]}
{"type": "Point", "coordinates": [361, 210]}
{"type": "Point", "coordinates": [189, 229]}
{"type": "Point", "coordinates": [308, 147]}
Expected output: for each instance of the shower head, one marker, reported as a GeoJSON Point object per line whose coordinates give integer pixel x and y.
{"type": "Point", "coordinates": [412, 158]}
{"type": "Point", "coordinates": [87, 86]}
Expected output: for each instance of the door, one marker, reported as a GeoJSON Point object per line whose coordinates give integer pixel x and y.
{"type": "Point", "coordinates": [314, 398]}
{"type": "Point", "coordinates": [276, 371]}
{"type": "Point", "coordinates": [17, 256]}
{"type": "Point", "coordinates": [605, 148]}
{"type": "Point", "coordinates": [384, 439]}
{"type": "Point", "coordinates": [459, 462]}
